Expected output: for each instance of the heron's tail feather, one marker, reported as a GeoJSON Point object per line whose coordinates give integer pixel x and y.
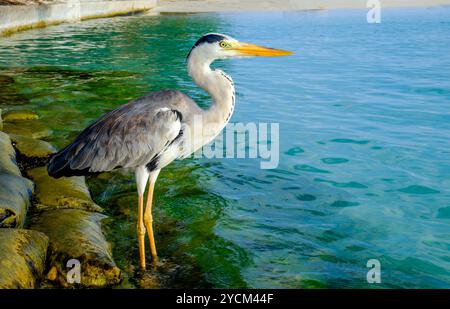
{"type": "Point", "coordinates": [59, 166]}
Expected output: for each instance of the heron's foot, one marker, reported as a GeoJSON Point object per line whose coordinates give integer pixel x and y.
{"type": "Point", "coordinates": [142, 263]}
{"type": "Point", "coordinates": [153, 264]}
{"type": "Point", "coordinates": [155, 260]}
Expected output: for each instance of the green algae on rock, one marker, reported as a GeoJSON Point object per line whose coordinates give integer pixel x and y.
{"type": "Point", "coordinates": [65, 192]}
{"type": "Point", "coordinates": [7, 156]}
{"type": "Point", "coordinates": [77, 234]}
{"type": "Point", "coordinates": [19, 115]}
{"type": "Point", "coordinates": [32, 148]}
{"type": "Point", "coordinates": [31, 128]}
{"type": "Point", "coordinates": [15, 195]}
{"type": "Point", "coordinates": [22, 258]}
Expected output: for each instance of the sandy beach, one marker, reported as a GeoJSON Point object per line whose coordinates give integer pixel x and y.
{"type": "Point", "coordinates": [199, 6]}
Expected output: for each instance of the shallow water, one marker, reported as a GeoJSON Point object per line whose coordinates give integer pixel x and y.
{"type": "Point", "coordinates": [364, 144]}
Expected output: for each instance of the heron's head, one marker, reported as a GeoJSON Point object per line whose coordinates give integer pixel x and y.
{"type": "Point", "coordinates": [213, 46]}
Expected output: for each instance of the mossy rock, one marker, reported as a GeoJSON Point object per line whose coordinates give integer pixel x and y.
{"type": "Point", "coordinates": [77, 234]}
{"type": "Point", "coordinates": [7, 156]}
{"type": "Point", "coordinates": [31, 128]}
{"type": "Point", "coordinates": [65, 192]}
{"type": "Point", "coordinates": [15, 195]}
{"type": "Point", "coordinates": [22, 258]}
{"type": "Point", "coordinates": [32, 148]}
{"type": "Point", "coordinates": [19, 115]}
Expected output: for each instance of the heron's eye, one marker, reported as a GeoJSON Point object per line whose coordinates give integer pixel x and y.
{"type": "Point", "coordinates": [224, 44]}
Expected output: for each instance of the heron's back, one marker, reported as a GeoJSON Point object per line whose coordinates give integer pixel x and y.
{"type": "Point", "coordinates": [132, 135]}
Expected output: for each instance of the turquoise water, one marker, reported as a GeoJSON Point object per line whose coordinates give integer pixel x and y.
{"type": "Point", "coordinates": [364, 143]}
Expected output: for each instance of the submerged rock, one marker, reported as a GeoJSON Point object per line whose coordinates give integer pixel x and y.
{"type": "Point", "coordinates": [32, 148]}
{"type": "Point", "coordinates": [15, 195]}
{"type": "Point", "coordinates": [65, 192]}
{"type": "Point", "coordinates": [7, 156]}
{"type": "Point", "coordinates": [77, 234]}
{"type": "Point", "coordinates": [31, 128]}
{"type": "Point", "coordinates": [19, 115]}
{"type": "Point", "coordinates": [6, 80]}
{"type": "Point", "coordinates": [11, 93]}
{"type": "Point", "coordinates": [22, 258]}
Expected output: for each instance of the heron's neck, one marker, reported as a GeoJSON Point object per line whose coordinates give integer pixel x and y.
{"type": "Point", "coordinates": [219, 86]}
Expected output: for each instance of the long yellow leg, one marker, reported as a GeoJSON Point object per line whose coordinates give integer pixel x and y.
{"type": "Point", "coordinates": [148, 220]}
{"type": "Point", "coordinates": [141, 232]}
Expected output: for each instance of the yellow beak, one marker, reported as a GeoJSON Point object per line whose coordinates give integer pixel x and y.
{"type": "Point", "coordinates": [246, 49]}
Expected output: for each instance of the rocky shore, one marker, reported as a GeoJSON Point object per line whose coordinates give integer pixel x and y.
{"type": "Point", "coordinates": [19, 15]}
{"type": "Point", "coordinates": [46, 222]}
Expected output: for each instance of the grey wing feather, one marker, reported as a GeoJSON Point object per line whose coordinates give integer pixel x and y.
{"type": "Point", "coordinates": [128, 136]}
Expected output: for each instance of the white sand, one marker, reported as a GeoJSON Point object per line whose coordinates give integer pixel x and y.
{"type": "Point", "coordinates": [198, 6]}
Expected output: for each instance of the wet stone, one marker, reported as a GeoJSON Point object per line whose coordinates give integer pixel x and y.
{"type": "Point", "coordinates": [22, 258]}
{"type": "Point", "coordinates": [77, 234]}
{"type": "Point", "coordinates": [32, 148]}
{"type": "Point", "coordinates": [15, 195]}
{"type": "Point", "coordinates": [19, 115]}
{"type": "Point", "coordinates": [65, 192]}
{"type": "Point", "coordinates": [7, 156]}
{"type": "Point", "coordinates": [30, 128]}
{"type": "Point", "coordinates": [15, 190]}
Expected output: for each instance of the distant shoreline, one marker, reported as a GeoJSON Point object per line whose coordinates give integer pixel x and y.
{"type": "Point", "coordinates": [204, 6]}
{"type": "Point", "coordinates": [20, 15]}
{"type": "Point", "coordinates": [33, 14]}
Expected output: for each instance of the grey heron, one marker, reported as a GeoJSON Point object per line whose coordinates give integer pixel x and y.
{"type": "Point", "coordinates": [150, 132]}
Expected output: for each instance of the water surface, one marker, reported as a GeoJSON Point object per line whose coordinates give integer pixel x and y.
{"type": "Point", "coordinates": [364, 152]}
